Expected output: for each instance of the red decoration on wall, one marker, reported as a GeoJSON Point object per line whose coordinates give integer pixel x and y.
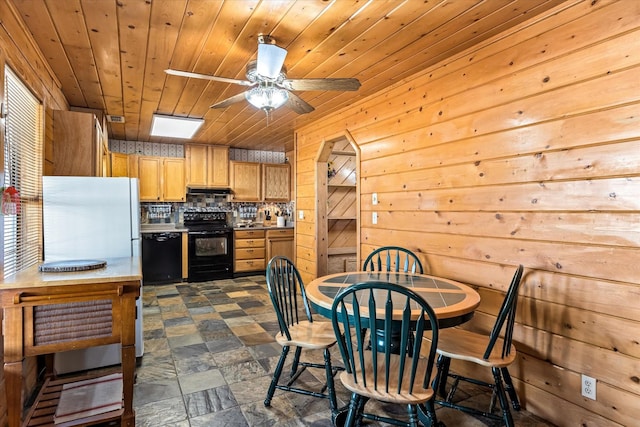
{"type": "Point", "coordinates": [10, 201]}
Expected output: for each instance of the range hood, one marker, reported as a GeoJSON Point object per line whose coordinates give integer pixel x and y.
{"type": "Point", "coordinates": [209, 191]}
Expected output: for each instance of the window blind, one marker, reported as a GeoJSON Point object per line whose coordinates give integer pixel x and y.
{"type": "Point", "coordinates": [23, 170]}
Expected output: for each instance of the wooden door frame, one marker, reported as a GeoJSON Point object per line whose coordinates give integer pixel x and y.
{"type": "Point", "coordinates": [322, 157]}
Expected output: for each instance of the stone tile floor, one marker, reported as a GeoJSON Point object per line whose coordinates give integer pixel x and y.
{"type": "Point", "coordinates": [209, 355]}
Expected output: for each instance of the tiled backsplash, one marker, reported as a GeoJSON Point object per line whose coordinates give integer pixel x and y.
{"type": "Point", "coordinates": [146, 148]}
{"type": "Point", "coordinates": [177, 150]}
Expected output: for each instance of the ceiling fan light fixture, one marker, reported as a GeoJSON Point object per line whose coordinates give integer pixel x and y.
{"type": "Point", "coordinates": [266, 96]}
{"type": "Point", "coordinates": [270, 60]}
{"type": "Point", "coordinates": [174, 127]}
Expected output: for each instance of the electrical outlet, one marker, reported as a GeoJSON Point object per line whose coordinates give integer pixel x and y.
{"type": "Point", "coordinates": [300, 214]}
{"type": "Point", "coordinates": [588, 387]}
{"type": "Point", "coordinates": [374, 198]}
{"type": "Point", "coordinates": [374, 217]}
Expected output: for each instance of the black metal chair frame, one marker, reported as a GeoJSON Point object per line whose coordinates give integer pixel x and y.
{"type": "Point", "coordinates": [289, 299]}
{"type": "Point", "coordinates": [502, 378]}
{"type": "Point", "coordinates": [403, 257]}
{"type": "Point", "coordinates": [409, 261]}
{"type": "Point", "coordinates": [356, 308]}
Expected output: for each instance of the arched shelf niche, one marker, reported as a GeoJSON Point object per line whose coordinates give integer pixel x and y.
{"type": "Point", "coordinates": [338, 205]}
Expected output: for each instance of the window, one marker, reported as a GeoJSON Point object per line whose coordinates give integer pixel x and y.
{"type": "Point", "coordinates": [22, 243]}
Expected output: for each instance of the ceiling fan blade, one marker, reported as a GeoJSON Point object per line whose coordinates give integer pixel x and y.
{"type": "Point", "coordinates": [321, 84]}
{"type": "Point", "coordinates": [298, 105]}
{"type": "Point", "coordinates": [207, 77]}
{"type": "Point", "coordinates": [270, 60]}
{"type": "Point", "coordinates": [232, 100]}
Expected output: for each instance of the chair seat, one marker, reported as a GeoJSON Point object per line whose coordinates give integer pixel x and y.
{"type": "Point", "coordinates": [461, 344]}
{"type": "Point", "coordinates": [419, 395]}
{"type": "Point", "coordinates": [310, 335]}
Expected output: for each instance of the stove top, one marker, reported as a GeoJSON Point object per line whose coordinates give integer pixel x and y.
{"type": "Point", "coordinates": [205, 219]}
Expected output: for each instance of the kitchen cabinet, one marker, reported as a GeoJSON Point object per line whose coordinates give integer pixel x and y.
{"type": "Point", "coordinates": [279, 242]}
{"type": "Point", "coordinates": [245, 181]}
{"type": "Point", "coordinates": [161, 179]}
{"type": "Point", "coordinates": [255, 182]}
{"type": "Point", "coordinates": [173, 180]}
{"type": "Point", "coordinates": [119, 164]}
{"type": "Point", "coordinates": [207, 165]}
{"type": "Point", "coordinates": [276, 182]}
{"type": "Point", "coordinates": [218, 166]}
{"type": "Point", "coordinates": [133, 165]}
{"type": "Point", "coordinates": [249, 251]}
{"type": "Point", "coordinates": [78, 144]}
{"type": "Point", "coordinates": [150, 175]}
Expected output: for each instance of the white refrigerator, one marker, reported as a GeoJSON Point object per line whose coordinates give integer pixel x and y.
{"type": "Point", "coordinates": [92, 218]}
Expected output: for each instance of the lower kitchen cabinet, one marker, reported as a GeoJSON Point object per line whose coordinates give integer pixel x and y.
{"type": "Point", "coordinates": [280, 243]}
{"type": "Point", "coordinates": [249, 251]}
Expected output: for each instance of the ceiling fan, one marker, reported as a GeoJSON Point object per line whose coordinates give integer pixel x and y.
{"type": "Point", "coordinates": [270, 87]}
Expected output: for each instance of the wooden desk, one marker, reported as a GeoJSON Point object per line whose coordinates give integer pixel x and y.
{"type": "Point", "coordinates": [453, 302]}
{"type": "Point", "coordinates": [25, 299]}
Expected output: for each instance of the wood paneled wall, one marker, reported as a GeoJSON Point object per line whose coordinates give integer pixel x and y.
{"type": "Point", "coordinates": [522, 150]}
{"type": "Point", "coordinates": [19, 51]}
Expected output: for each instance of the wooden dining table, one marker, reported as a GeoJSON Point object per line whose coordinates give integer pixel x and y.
{"type": "Point", "coordinates": [453, 302]}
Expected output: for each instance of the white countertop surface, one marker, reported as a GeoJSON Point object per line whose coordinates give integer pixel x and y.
{"type": "Point", "coordinates": [116, 270]}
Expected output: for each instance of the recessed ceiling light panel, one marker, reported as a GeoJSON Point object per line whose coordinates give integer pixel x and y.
{"type": "Point", "coordinates": [174, 127]}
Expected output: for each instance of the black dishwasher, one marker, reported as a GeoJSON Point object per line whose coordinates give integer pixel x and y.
{"type": "Point", "coordinates": [161, 258]}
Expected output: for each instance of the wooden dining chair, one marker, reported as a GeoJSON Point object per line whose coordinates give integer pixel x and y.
{"type": "Point", "coordinates": [494, 351]}
{"type": "Point", "coordinates": [298, 329]}
{"type": "Point", "coordinates": [378, 373]}
{"type": "Point", "coordinates": [393, 258]}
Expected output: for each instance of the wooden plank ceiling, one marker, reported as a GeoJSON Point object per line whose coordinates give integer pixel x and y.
{"type": "Point", "coordinates": [111, 55]}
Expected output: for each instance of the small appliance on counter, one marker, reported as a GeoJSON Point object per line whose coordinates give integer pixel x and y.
{"type": "Point", "coordinates": [91, 218]}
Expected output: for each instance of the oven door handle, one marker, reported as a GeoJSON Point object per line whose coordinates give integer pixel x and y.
{"type": "Point", "coordinates": [215, 232]}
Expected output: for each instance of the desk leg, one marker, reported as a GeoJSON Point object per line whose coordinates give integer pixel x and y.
{"type": "Point", "coordinates": [13, 358]}
{"type": "Point", "coordinates": [128, 374]}
{"type": "Point", "coordinates": [13, 383]}
{"type": "Point", "coordinates": [128, 358]}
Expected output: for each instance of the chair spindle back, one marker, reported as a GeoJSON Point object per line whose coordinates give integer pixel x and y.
{"type": "Point", "coordinates": [287, 293]}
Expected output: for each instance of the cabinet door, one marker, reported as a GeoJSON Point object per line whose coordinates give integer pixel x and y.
{"type": "Point", "coordinates": [119, 164]}
{"type": "Point", "coordinates": [196, 157]}
{"type": "Point", "coordinates": [133, 166]}
{"type": "Point", "coordinates": [275, 182]}
{"type": "Point", "coordinates": [218, 166]}
{"type": "Point", "coordinates": [149, 173]}
{"type": "Point", "coordinates": [280, 242]}
{"type": "Point", "coordinates": [174, 189]}
{"type": "Point", "coordinates": [245, 181]}
{"type": "Point", "coordinates": [76, 144]}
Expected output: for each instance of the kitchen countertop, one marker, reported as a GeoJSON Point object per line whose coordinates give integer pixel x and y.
{"type": "Point", "coordinates": [262, 227]}
{"type": "Point", "coordinates": [117, 270]}
{"type": "Point", "coordinates": [172, 228]}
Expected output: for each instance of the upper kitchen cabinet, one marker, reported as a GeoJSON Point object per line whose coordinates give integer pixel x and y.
{"type": "Point", "coordinates": [245, 181]}
{"type": "Point", "coordinates": [173, 180]}
{"type": "Point", "coordinates": [207, 166]}
{"type": "Point", "coordinates": [162, 179]}
{"type": "Point", "coordinates": [119, 164]}
{"type": "Point", "coordinates": [276, 182]}
{"type": "Point", "coordinates": [78, 144]}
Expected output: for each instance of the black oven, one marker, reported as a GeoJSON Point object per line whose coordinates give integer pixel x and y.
{"type": "Point", "coordinates": [210, 246]}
